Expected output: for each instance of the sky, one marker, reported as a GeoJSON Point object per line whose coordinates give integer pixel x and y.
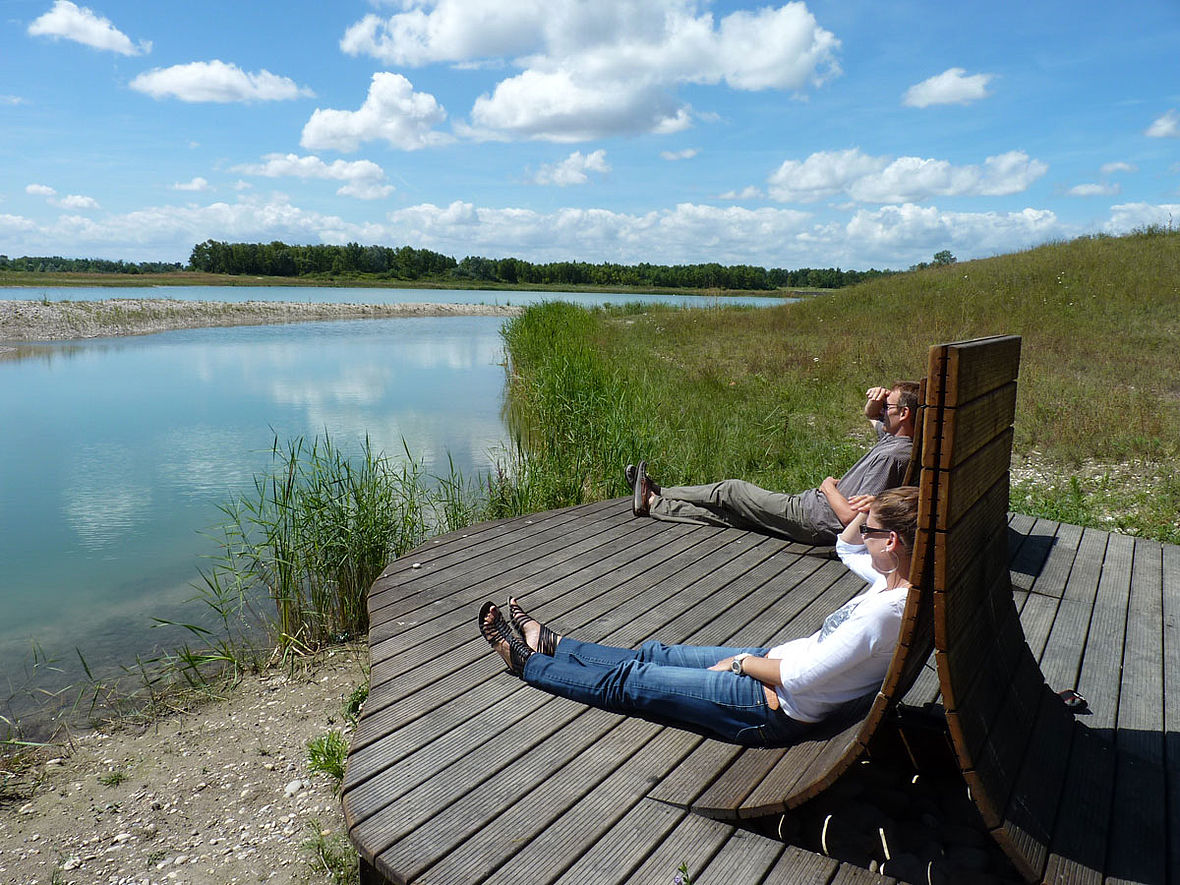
{"type": "Point", "coordinates": [848, 133]}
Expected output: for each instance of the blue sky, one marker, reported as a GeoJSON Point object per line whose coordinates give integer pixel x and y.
{"type": "Point", "coordinates": [852, 133]}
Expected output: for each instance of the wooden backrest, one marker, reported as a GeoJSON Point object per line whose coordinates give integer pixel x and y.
{"type": "Point", "coordinates": [992, 686]}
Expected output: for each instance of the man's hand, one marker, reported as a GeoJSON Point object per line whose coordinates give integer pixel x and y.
{"type": "Point", "coordinates": [875, 402]}
{"type": "Point", "coordinates": [829, 485]}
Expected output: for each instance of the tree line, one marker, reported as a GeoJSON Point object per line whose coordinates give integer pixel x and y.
{"type": "Point", "coordinates": [57, 264]}
{"type": "Point", "coordinates": [408, 263]}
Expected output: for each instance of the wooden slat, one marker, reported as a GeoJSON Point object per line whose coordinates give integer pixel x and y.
{"type": "Point", "coordinates": [1027, 825]}
{"type": "Point", "coordinates": [980, 366]}
{"type": "Point", "coordinates": [1170, 581]}
{"type": "Point", "coordinates": [967, 427]}
{"type": "Point", "coordinates": [972, 479]}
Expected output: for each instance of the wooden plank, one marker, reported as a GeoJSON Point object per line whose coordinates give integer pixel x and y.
{"type": "Point", "coordinates": [961, 543]}
{"type": "Point", "coordinates": [745, 857]}
{"type": "Point", "coordinates": [514, 800]}
{"type": "Point", "coordinates": [1078, 849]}
{"type": "Point", "coordinates": [982, 590]}
{"type": "Point", "coordinates": [798, 867]}
{"type": "Point", "coordinates": [1170, 581]}
{"type": "Point", "coordinates": [456, 552]}
{"type": "Point", "coordinates": [693, 843]}
{"type": "Point", "coordinates": [1027, 825]}
{"type": "Point", "coordinates": [1062, 657]}
{"type": "Point", "coordinates": [1138, 840]}
{"type": "Point", "coordinates": [966, 428]}
{"type": "Point", "coordinates": [970, 480]}
{"type": "Point", "coordinates": [612, 858]}
{"type": "Point", "coordinates": [425, 590]}
{"type": "Point", "coordinates": [979, 366]}
{"type": "Point", "coordinates": [538, 848]}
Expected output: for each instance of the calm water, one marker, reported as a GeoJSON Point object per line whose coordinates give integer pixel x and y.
{"type": "Point", "coordinates": [345, 295]}
{"type": "Point", "coordinates": [115, 453]}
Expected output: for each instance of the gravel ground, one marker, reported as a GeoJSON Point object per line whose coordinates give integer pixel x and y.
{"type": "Point", "coordinates": [220, 795]}
{"type": "Point", "coordinates": [59, 320]}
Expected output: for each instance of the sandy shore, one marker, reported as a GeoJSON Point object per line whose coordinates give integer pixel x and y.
{"type": "Point", "coordinates": [61, 320]}
{"type": "Point", "coordinates": [221, 793]}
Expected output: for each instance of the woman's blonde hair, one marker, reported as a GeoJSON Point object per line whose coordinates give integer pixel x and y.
{"type": "Point", "coordinates": [897, 510]}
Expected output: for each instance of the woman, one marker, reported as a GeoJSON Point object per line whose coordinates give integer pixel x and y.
{"type": "Point", "coordinates": [764, 697]}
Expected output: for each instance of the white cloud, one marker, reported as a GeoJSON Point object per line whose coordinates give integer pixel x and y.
{"type": "Point", "coordinates": [746, 193]}
{"type": "Point", "coordinates": [40, 190]}
{"type": "Point", "coordinates": [392, 112]}
{"type": "Point", "coordinates": [892, 236]}
{"type": "Point", "coordinates": [1111, 168]}
{"type": "Point", "coordinates": [82, 25]}
{"type": "Point", "coordinates": [1093, 190]}
{"type": "Point", "coordinates": [1167, 126]}
{"type": "Point", "coordinates": [952, 86]}
{"type": "Point", "coordinates": [75, 201]}
{"type": "Point", "coordinates": [573, 169]}
{"type": "Point", "coordinates": [197, 184]}
{"type": "Point", "coordinates": [686, 154]}
{"type": "Point", "coordinates": [891, 232]}
{"type": "Point", "coordinates": [609, 68]}
{"type": "Point", "coordinates": [1127, 217]}
{"type": "Point", "coordinates": [11, 100]}
{"type": "Point", "coordinates": [453, 31]}
{"type": "Point", "coordinates": [216, 81]}
{"type": "Point", "coordinates": [559, 106]}
{"type": "Point", "coordinates": [872, 179]}
{"type": "Point", "coordinates": [362, 179]}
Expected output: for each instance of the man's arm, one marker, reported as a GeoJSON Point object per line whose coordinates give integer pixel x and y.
{"type": "Point", "coordinates": [875, 399]}
{"type": "Point", "coordinates": [839, 504]}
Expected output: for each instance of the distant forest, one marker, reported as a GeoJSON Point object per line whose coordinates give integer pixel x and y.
{"type": "Point", "coordinates": [57, 264]}
{"type": "Point", "coordinates": [407, 263]}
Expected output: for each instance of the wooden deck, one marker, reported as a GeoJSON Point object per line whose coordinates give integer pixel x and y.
{"type": "Point", "coordinates": [460, 774]}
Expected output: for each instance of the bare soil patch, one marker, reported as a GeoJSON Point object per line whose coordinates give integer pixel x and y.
{"type": "Point", "coordinates": [222, 794]}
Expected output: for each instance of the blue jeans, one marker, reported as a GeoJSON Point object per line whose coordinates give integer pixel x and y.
{"type": "Point", "coordinates": [668, 685]}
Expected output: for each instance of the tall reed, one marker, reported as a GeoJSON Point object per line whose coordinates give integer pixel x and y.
{"type": "Point", "coordinates": [316, 531]}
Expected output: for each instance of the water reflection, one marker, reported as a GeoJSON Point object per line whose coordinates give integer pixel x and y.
{"type": "Point", "coordinates": [117, 453]}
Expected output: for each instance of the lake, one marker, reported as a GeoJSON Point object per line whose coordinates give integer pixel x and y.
{"type": "Point", "coordinates": [117, 452]}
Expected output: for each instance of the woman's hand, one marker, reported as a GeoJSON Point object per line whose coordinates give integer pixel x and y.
{"type": "Point", "coordinates": [861, 503]}
{"type": "Point", "coordinates": [724, 664]}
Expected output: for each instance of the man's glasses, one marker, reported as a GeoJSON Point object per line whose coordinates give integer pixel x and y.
{"type": "Point", "coordinates": [885, 407]}
{"type": "Point", "coordinates": [866, 530]}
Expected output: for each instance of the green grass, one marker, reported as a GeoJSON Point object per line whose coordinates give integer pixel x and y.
{"type": "Point", "coordinates": [331, 855]}
{"type": "Point", "coordinates": [774, 396]}
{"type": "Point", "coordinates": [326, 754]}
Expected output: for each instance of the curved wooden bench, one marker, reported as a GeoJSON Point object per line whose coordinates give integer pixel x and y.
{"type": "Point", "coordinates": [1043, 782]}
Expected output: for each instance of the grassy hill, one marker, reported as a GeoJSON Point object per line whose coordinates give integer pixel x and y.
{"type": "Point", "coordinates": [774, 395]}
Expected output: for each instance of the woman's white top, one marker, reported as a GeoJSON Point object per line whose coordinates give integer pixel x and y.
{"type": "Point", "coordinates": [849, 655]}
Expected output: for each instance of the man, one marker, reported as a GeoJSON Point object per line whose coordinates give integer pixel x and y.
{"type": "Point", "coordinates": [812, 517]}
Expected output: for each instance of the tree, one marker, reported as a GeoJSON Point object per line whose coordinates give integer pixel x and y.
{"type": "Point", "coordinates": [943, 258]}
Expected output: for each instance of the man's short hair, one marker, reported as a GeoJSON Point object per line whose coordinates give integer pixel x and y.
{"type": "Point", "coordinates": [907, 394]}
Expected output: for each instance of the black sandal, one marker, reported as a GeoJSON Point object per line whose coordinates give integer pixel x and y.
{"type": "Point", "coordinates": [639, 491]}
{"type": "Point", "coordinates": [546, 641]}
{"type": "Point", "coordinates": [496, 632]}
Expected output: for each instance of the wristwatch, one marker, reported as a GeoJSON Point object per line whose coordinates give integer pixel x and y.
{"type": "Point", "coordinates": [736, 666]}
